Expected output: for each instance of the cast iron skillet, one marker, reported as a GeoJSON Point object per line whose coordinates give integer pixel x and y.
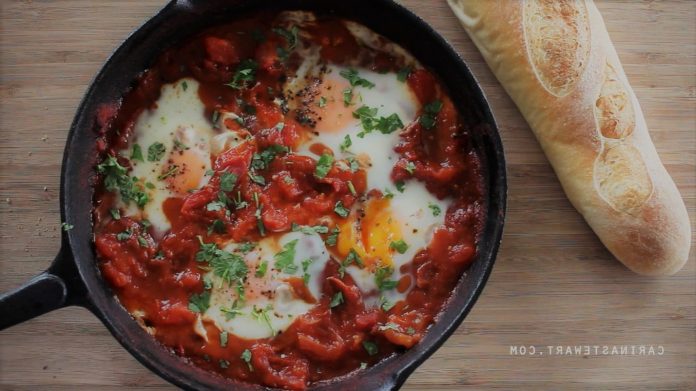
{"type": "Point", "coordinates": [73, 278]}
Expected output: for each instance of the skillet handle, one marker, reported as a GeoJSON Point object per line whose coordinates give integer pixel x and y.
{"type": "Point", "coordinates": [57, 287]}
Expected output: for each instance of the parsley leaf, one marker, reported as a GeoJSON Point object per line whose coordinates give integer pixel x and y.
{"type": "Point", "coordinates": [347, 97]}
{"type": "Point", "coordinates": [346, 143]}
{"type": "Point", "coordinates": [333, 237]}
{"type": "Point", "coordinates": [116, 179]}
{"type": "Point", "coordinates": [246, 357]}
{"type": "Point", "coordinates": [244, 74]}
{"type": "Point", "coordinates": [355, 80]}
{"type": "Point", "coordinates": [400, 246]}
{"type": "Point", "coordinates": [258, 179]}
{"type": "Point", "coordinates": [410, 167]}
{"type": "Point", "coordinates": [435, 209]}
{"type": "Point", "coordinates": [261, 270]}
{"type": "Point", "coordinates": [217, 227]}
{"type": "Point", "coordinates": [227, 181]}
{"type": "Point", "coordinates": [403, 74]}
{"type": "Point", "coordinates": [324, 164]}
{"type": "Point", "coordinates": [137, 153]}
{"type": "Point", "coordinates": [261, 315]}
{"type": "Point", "coordinates": [429, 116]}
{"type": "Point", "coordinates": [336, 300]}
{"type": "Point", "coordinates": [289, 35]}
{"type": "Point", "coordinates": [400, 186]}
{"type": "Point", "coordinates": [285, 259]}
{"type": "Point", "coordinates": [308, 230]}
{"type": "Point", "coordinates": [223, 339]}
{"type": "Point", "coordinates": [199, 302]}
{"type": "Point", "coordinates": [67, 227]}
{"type": "Point", "coordinates": [382, 274]}
{"type": "Point", "coordinates": [125, 235]}
{"type": "Point", "coordinates": [370, 347]}
{"type": "Point", "coordinates": [155, 152]}
{"type": "Point", "coordinates": [351, 258]}
{"type": "Point", "coordinates": [322, 102]}
{"type": "Point", "coordinates": [262, 160]}
{"type": "Point", "coordinates": [369, 121]}
{"type": "Point", "coordinates": [341, 210]}
{"type": "Point", "coordinates": [229, 267]}
{"type": "Point", "coordinates": [305, 267]}
{"type": "Point", "coordinates": [246, 247]}
{"type": "Point", "coordinates": [115, 214]}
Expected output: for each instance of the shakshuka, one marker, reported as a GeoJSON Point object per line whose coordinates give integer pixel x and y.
{"type": "Point", "coordinates": [286, 199]}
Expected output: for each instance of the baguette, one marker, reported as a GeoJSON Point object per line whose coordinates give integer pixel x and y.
{"type": "Point", "coordinates": [557, 62]}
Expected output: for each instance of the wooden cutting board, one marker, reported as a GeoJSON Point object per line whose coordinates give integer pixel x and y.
{"type": "Point", "coordinates": [554, 284]}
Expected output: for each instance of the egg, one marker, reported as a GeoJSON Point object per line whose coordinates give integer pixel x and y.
{"type": "Point", "coordinates": [177, 126]}
{"type": "Point", "coordinates": [273, 299]}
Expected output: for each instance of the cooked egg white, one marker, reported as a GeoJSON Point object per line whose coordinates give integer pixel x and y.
{"type": "Point", "coordinates": [270, 303]}
{"type": "Point", "coordinates": [177, 122]}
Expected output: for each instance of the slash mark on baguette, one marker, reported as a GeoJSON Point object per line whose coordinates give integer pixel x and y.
{"type": "Point", "coordinates": [621, 177]}
{"type": "Point", "coordinates": [613, 108]}
{"type": "Point", "coordinates": [557, 37]}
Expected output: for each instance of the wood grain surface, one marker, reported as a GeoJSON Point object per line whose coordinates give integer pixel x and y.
{"type": "Point", "coordinates": [553, 284]}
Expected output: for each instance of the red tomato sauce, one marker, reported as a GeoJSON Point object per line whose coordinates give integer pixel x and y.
{"type": "Point", "coordinates": [158, 275]}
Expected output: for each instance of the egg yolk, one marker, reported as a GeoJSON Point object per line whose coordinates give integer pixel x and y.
{"type": "Point", "coordinates": [184, 171]}
{"type": "Point", "coordinates": [334, 115]}
{"type": "Point", "coordinates": [371, 237]}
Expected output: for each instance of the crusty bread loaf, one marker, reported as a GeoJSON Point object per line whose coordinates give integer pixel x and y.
{"type": "Point", "coordinates": [556, 61]}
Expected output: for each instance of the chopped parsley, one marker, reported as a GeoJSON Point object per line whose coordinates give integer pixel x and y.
{"type": "Point", "coordinates": [115, 214]}
{"type": "Point", "coordinates": [217, 227]}
{"type": "Point", "coordinates": [227, 181]}
{"type": "Point", "coordinates": [224, 364]}
{"type": "Point", "coordinates": [400, 185]}
{"type": "Point", "coordinates": [199, 302]}
{"type": "Point", "coordinates": [116, 179]}
{"type": "Point", "coordinates": [244, 74]}
{"type": "Point", "coordinates": [262, 160]}
{"type": "Point", "coordinates": [125, 235]}
{"type": "Point", "coordinates": [336, 300]}
{"type": "Point", "coordinates": [355, 80]}
{"type": "Point", "coordinates": [232, 312]}
{"type": "Point", "coordinates": [429, 116]}
{"type": "Point", "coordinates": [351, 187]}
{"type": "Point", "coordinates": [370, 122]}
{"type": "Point", "coordinates": [137, 153]}
{"type": "Point", "coordinates": [289, 35]}
{"type": "Point", "coordinates": [310, 229]}
{"type": "Point", "coordinates": [231, 268]}
{"type": "Point", "coordinates": [173, 170]}
{"type": "Point", "coordinates": [351, 258]}
{"type": "Point", "coordinates": [388, 194]}
{"type": "Point", "coordinates": [262, 315]}
{"type": "Point", "coordinates": [382, 274]}
{"type": "Point", "coordinates": [259, 217]}
{"type": "Point", "coordinates": [324, 164]}
{"type": "Point", "coordinates": [348, 97]}
{"type": "Point", "coordinates": [341, 210]}
{"type": "Point", "coordinates": [67, 227]}
{"type": "Point", "coordinates": [155, 152]}
{"type": "Point", "coordinates": [223, 339]}
{"type": "Point", "coordinates": [410, 167]}
{"type": "Point", "coordinates": [305, 267]}
{"type": "Point", "coordinates": [370, 347]}
{"type": "Point", "coordinates": [353, 164]}
{"type": "Point", "coordinates": [400, 246]}
{"type": "Point", "coordinates": [403, 74]}
{"type": "Point", "coordinates": [385, 304]}
{"type": "Point", "coordinates": [258, 179]}
{"type": "Point", "coordinates": [435, 209]}
{"type": "Point", "coordinates": [322, 102]}
{"type": "Point", "coordinates": [285, 259]}
{"type": "Point", "coordinates": [333, 237]}
{"type": "Point", "coordinates": [184, 85]}
{"type": "Point", "coordinates": [142, 242]}
{"type": "Point", "coordinates": [261, 270]}
{"type": "Point", "coordinates": [246, 247]}
{"type": "Point", "coordinates": [246, 357]}
{"type": "Point", "coordinates": [346, 143]}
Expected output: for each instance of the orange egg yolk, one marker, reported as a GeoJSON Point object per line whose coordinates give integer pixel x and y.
{"type": "Point", "coordinates": [184, 171]}
{"type": "Point", "coordinates": [334, 115]}
{"type": "Point", "coordinates": [371, 236]}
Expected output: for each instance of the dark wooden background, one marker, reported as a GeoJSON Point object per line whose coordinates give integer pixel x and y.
{"type": "Point", "coordinates": [554, 283]}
